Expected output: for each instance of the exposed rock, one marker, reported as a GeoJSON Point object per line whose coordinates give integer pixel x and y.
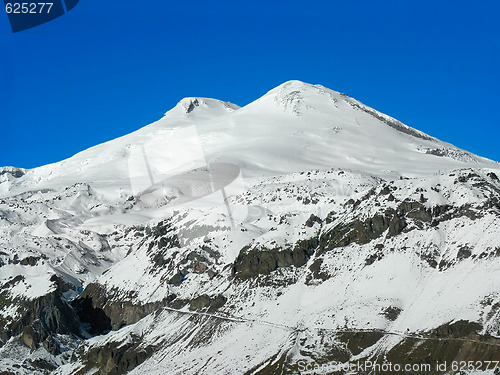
{"type": "Point", "coordinates": [102, 307]}
{"type": "Point", "coordinates": [356, 342]}
{"type": "Point", "coordinates": [194, 256]}
{"type": "Point", "coordinates": [61, 285]}
{"type": "Point", "coordinates": [262, 262]}
{"type": "Point", "coordinates": [204, 301]}
{"type": "Point", "coordinates": [430, 258]}
{"type": "Point", "coordinates": [385, 190]}
{"type": "Point", "coordinates": [396, 226]}
{"type": "Point", "coordinates": [449, 343]}
{"type": "Point", "coordinates": [52, 345]}
{"type": "Point", "coordinates": [330, 218]}
{"type": "Point", "coordinates": [160, 250]}
{"type": "Point", "coordinates": [40, 318]}
{"type": "Point", "coordinates": [178, 278]}
{"type": "Point", "coordinates": [415, 210]}
{"type": "Point", "coordinates": [360, 232]}
{"type": "Point", "coordinates": [12, 171]}
{"type": "Point", "coordinates": [114, 358]}
{"type": "Point", "coordinates": [312, 220]}
{"type": "Point", "coordinates": [316, 272]}
{"type": "Point", "coordinates": [29, 261]}
{"type": "Point", "coordinates": [199, 267]}
{"type": "Point", "coordinates": [30, 337]}
{"type": "Point", "coordinates": [95, 317]}
{"type": "Point", "coordinates": [463, 253]}
{"type": "Point", "coordinates": [393, 123]}
{"type": "Point", "coordinates": [391, 313]}
{"type": "Point", "coordinates": [373, 258]}
{"type": "Point", "coordinates": [493, 176]}
{"type": "Point", "coordinates": [459, 328]}
{"type": "Point", "coordinates": [168, 242]}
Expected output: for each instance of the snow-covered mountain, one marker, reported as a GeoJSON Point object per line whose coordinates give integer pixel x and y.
{"type": "Point", "coordinates": [303, 229]}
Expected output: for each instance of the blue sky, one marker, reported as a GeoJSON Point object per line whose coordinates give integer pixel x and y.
{"type": "Point", "coordinates": [107, 68]}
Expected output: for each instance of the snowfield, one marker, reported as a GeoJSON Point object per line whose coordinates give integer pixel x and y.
{"type": "Point", "coordinates": [228, 240]}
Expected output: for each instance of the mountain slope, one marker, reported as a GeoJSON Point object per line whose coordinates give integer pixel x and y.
{"type": "Point", "coordinates": [296, 125]}
{"type": "Point", "coordinates": [175, 249]}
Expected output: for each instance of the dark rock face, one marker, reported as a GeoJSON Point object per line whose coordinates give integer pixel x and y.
{"type": "Point", "coordinates": [101, 307]}
{"type": "Point", "coordinates": [316, 272]}
{"type": "Point", "coordinates": [256, 262]}
{"type": "Point", "coordinates": [178, 278]}
{"type": "Point", "coordinates": [459, 328]}
{"type": "Point", "coordinates": [451, 342]}
{"type": "Point", "coordinates": [205, 302]}
{"type": "Point", "coordinates": [52, 346]}
{"type": "Point", "coordinates": [358, 341]}
{"type": "Point", "coordinates": [415, 210]}
{"type": "Point", "coordinates": [385, 191]}
{"type": "Point", "coordinates": [312, 220]}
{"type": "Point", "coordinates": [391, 313]}
{"type": "Point", "coordinates": [493, 176]}
{"type": "Point", "coordinates": [360, 232]}
{"type": "Point", "coordinates": [192, 105]}
{"type": "Point", "coordinates": [114, 358]}
{"type": "Point", "coordinates": [95, 317]}
{"type": "Point", "coordinates": [165, 239]}
{"type": "Point", "coordinates": [251, 263]}
{"type": "Point", "coordinates": [463, 253]}
{"type": "Point", "coordinates": [14, 172]}
{"type": "Point", "coordinates": [40, 319]}
{"type": "Point", "coordinates": [373, 258]}
{"type": "Point", "coordinates": [29, 261]}
{"type": "Point", "coordinates": [445, 213]}
{"type": "Point", "coordinates": [396, 225]}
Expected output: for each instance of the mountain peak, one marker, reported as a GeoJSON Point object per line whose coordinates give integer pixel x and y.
{"type": "Point", "coordinates": [204, 106]}
{"type": "Point", "coordinates": [294, 85]}
{"type": "Point", "coordinates": [297, 97]}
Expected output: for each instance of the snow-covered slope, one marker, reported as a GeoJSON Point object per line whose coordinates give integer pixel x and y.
{"type": "Point", "coordinates": [305, 214]}
{"type": "Point", "coordinates": [292, 128]}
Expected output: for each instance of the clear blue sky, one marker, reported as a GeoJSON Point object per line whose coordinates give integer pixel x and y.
{"type": "Point", "coordinates": [107, 68]}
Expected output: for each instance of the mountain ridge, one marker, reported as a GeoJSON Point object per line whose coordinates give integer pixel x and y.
{"type": "Point", "coordinates": [304, 213]}
{"type": "Point", "coordinates": [282, 97]}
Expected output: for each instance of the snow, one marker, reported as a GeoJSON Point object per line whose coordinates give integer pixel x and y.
{"type": "Point", "coordinates": [228, 177]}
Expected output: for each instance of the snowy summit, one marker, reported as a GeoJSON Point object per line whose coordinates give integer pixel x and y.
{"type": "Point", "coordinates": [305, 216]}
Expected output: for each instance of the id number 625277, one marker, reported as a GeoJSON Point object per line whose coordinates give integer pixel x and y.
{"type": "Point", "coordinates": [23, 8]}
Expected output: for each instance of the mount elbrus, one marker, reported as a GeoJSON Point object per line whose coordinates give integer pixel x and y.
{"type": "Point", "coordinates": [303, 229]}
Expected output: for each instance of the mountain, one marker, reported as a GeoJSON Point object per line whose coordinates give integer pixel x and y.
{"type": "Point", "coordinates": [302, 230]}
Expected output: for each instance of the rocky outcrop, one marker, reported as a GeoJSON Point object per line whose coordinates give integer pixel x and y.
{"type": "Point", "coordinates": [313, 219]}
{"type": "Point", "coordinates": [12, 171]}
{"type": "Point", "coordinates": [357, 231]}
{"type": "Point", "coordinates": [415, 210]}
{"type": "Point", "coordinates": [205, 302]}
{"type": "Point", "coordinates": [105, 309]}
{"type": "Point", "coordinates": [255, 262]}
{"type": "Point", "coordinates": [96, 319]}
{"type": "Point", "coordinates": [38, 320]}
{"type": "Point", "coordinates": [448, 344]}
{"type": "Point", "coordinates": [356, 342]}
{"type": "Point", "coordinates": [114, 358]}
